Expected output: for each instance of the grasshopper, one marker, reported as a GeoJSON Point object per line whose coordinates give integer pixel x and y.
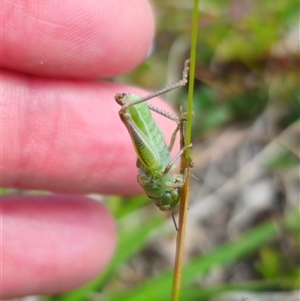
{"type": "Point", "coordinates": [154, 161]}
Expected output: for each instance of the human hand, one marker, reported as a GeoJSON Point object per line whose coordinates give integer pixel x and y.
{"type": "Point", "coordinates": [61, 133]}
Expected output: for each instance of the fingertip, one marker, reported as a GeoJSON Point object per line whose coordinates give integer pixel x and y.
{"type": "Point", "coordinates": [52, 244]}
{"type": "Point", "coordinates": [76, 39]}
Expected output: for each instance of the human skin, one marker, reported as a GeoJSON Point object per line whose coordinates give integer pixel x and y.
{"type": "Point", "coordinates": [60, 132]}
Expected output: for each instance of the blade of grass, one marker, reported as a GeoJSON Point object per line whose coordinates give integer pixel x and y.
{"type": "Point", "coordinates": [185, 159]}
{"type": "Point", "coordinates": [251, 286]}
{"type": "Point", "coordinates": [192, 76]}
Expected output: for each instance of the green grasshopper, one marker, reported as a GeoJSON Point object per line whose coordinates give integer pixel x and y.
{"type": "Point", "coordinates": [154, 161]}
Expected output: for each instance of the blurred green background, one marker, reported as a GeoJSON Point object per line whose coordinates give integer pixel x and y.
{"type": "Point", "coordinates": [243, 232]}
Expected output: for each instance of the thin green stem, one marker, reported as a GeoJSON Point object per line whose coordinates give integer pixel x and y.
{"type": "Point", "coordinates": [185, 160]}
{"type": "Point", "coordinates": [192, 76]}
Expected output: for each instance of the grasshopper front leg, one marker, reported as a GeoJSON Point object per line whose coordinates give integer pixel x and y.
{"type": "Point", "coordinates": [182, 82]}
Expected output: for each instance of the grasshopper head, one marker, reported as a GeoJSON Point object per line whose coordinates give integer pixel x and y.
{"type": "Point", "coordinates": [121, 98]}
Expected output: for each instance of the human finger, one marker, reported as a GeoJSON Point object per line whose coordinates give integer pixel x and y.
{"type": "Point", "coordinates": [66, 136]}
{"type": "Point", "coordinates": [75, 39]}
{"type": "Point", "coordinates": [52, 244]}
